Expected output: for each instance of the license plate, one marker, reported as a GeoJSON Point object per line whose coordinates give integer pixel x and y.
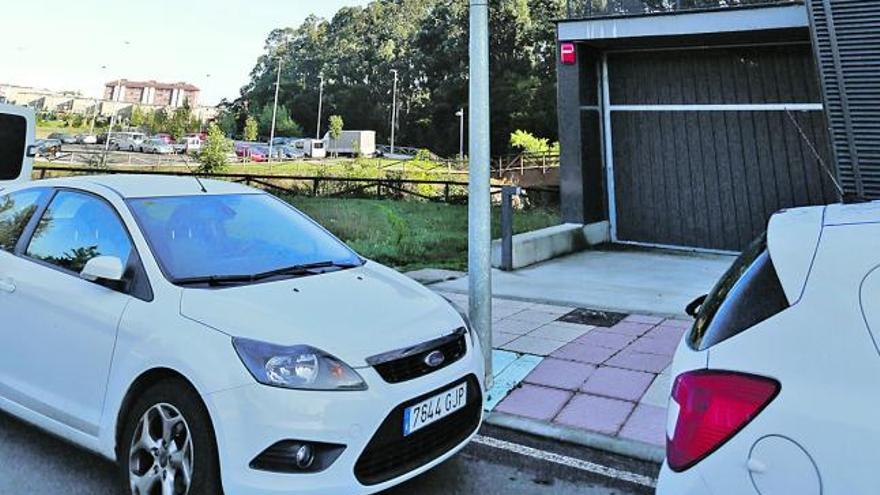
{"type": "Point", "coordinates": [434, 409]}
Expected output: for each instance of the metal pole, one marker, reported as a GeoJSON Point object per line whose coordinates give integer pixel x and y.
{"type": "Point", "coordinates": [507, 194]}
{"type": "Point", "coordinates": [479, 198]}
{"type": "Point", "coordinates": [393, 110]}
{"type": "Point", "coordinates": [275, 109]}
{"type": "Point", "coordinates": [461, 135]}
{"type": "Point", "coordinates": [320, 107]}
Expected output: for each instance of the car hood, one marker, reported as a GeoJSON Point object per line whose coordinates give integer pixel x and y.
{"type": "Point", "coordinates": [352, 314]}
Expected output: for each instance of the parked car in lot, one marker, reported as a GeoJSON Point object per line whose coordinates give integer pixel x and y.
{"type": "Point", "coordinates": [188, 144]}
{"type": "Point", "coordinates": [166, 138]}
{"type": "Point", "coordinates": [127, 141]}
{"type": "Point", "coordinates": [64, 138]}
{"type": "Point", "coordinates": [775, 388]}
{"type": "Point", "coordinates": [157, 146]}
{"type": "Point", "coordinates": [86, 139]}
{"type": "Point", "coordinates": [255, 152]}
{"type": "Point", "coordinates": [191, 331]}
{"type": "Point", "coordinates": [47, 147]}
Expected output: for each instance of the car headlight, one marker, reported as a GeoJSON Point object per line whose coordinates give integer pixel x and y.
{"type": "Point", "coordinates": [298, 367]}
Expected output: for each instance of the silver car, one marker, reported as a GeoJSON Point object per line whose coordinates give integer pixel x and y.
{"type": "Point", "coordinates": [156, 145]}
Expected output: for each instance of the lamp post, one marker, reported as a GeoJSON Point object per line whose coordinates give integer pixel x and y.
{"type": "Point", "coordinates": [479, 233]}
{"type": "Point", "coordinates": [275, 109]}
{"type": "Point", "coordinates": [116, 99]}
{"type": "Point", "coordinates": [320, 106]}
{"type": "Point", "coordinates": [460, 115]}
{"type": "Point", "coordinates": [393, 110]}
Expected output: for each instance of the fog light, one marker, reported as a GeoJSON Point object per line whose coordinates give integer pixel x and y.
{"type": "Point", "coordinates": [305, 456]}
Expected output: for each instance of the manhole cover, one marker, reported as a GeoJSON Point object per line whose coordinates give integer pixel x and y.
{"type": "Point", "coordinates": [592, 317]}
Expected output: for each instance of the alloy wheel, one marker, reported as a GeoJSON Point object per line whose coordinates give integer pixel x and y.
{"type": "Point", "coordinates": [161, 453]}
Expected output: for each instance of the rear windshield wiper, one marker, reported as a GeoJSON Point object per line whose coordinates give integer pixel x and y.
{"type": "Point", "coordinates": [299, 270]}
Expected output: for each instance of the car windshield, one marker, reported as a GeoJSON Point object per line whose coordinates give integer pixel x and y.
{"type": "Point", "coordinates": [240, 235]}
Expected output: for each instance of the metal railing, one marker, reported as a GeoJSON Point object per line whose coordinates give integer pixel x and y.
{"type": "Point", "coordinates": [581, 9]}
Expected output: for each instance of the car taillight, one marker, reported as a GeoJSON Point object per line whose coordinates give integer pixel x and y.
{"type": "Point", "coordinates": [713, 407]}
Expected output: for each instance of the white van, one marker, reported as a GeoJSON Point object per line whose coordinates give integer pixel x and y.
{"type": "Point", "coordinates": [127, 141]}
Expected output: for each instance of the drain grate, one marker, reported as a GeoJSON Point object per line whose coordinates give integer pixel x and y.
{"type": "Point", "coordinates": [594, 318]}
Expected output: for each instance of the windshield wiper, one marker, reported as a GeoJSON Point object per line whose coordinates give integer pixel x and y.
{"type": "Point", "coordinates": [299, 270]}
{"type": "Point", "coordinates": [304, 269]}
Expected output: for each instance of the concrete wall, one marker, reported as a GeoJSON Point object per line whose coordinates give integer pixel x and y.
{"type": "Point", "coordinates": [545, 244]}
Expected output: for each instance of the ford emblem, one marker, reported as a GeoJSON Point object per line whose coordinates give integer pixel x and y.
{"type": "Point", "coordinates": [435, 359]}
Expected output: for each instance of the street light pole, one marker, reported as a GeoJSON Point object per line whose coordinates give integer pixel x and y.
{"type": "Point", "coordinates": [393, 111]}
{"type": "Point", "coordinates": [320, 106]}
{"type": "Point", "coordinates": [479, 214]}
{"type": "Point", "coordinates": [115, 107]}
{"type": "Point", "coordinates": [275, 108]}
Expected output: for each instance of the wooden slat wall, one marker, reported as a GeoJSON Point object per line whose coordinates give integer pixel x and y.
{"type": "Point", "coordinates": [712, 179]}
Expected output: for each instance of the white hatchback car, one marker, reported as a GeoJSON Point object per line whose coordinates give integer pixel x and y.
{"type": "Point", "coordinates": [208, 335]}
{"type": "Point", "coordinates": [776, 387]}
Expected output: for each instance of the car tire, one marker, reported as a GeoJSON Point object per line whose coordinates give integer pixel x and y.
{"type": "Point", "coordinates": [167, 429]}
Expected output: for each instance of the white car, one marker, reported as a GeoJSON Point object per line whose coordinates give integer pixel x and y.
{"type": "Point", "coordinates": [127, 141]}
{"type": "Point", "coordinates": [207, 336]}
{"type": "Point", "coordinates": [775, 390]}
{"type": "Point", "coordinates": [157, 146]}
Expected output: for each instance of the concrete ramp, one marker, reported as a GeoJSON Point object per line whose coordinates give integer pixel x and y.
{"type": "Point", "coordinates": [620, 279]}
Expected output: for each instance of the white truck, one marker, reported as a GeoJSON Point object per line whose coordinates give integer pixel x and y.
{"type": "Point", "coordinates": [351, 143]}
{"type": "Point", "coordinates": [311, 148]}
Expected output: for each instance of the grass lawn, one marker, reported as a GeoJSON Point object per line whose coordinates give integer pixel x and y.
{"type": "Point", "coordinates": [409, 235]}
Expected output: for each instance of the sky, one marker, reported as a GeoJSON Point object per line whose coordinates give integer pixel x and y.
{"type": "Point", "coordinates": [79, 45]}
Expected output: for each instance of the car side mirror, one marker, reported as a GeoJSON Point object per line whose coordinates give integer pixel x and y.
{"type": "Point", "coordinates": [693, 309]}
{"type": "Point", "coordinates": [107, 268]}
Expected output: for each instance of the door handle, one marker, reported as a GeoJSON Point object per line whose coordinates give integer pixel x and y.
{"type": "Point", "coordinates": [7, 286]}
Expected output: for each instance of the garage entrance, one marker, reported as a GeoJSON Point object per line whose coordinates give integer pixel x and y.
{"type": "Point", "coordinates": [702, 145]}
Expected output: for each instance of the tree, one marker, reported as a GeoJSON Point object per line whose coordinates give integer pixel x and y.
{"type": "Point", "coordinates": [215, 150]}
{"type": "Point", "coordinates": [251, 129]}
{"type": "Point", "coordinates": [284, 125]}
{"type": "Point", "coordinates": [139, 117]}
{"type": "Point", "coordinates": [336, 127]}
{"type": "Point", "coordinates": [527, 142]}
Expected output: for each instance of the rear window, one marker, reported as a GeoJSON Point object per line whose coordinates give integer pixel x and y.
{"type": "Point", "coordinates": [749, 293]}
{"type": "Point", "coordinates": [13, 134]}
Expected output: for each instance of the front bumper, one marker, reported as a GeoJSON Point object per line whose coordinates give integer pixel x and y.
{"type": "Point", "coordinates": [249, 419]}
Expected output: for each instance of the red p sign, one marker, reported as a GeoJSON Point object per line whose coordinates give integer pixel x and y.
{"type": "Point", "coordinates": [568, 54]}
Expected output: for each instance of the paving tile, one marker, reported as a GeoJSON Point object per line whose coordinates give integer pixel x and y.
{"type": "Point", "coordinates": [595, 413]}
{"type": "Point", "coordinates": [608, 340]}
{"type": "Point", "coordinates": [667, 332]}
{"type": "Point", "coordinates": [501, 338]}
{"type": "Point", "coordinates": [501, 360]}
{"type": "Point", "coordinates": [640, 361]}
{"type": "Point", "coordinates": [535, 402]}
{"type": "Point", "coordinates": [646, 424]}
{"type": "Point", "coordinates": [518, 327]}
{"type": "Point", "coordinates": [645, 319]}
{"type": "Point", "coordinates": [556, 373]}
{"type": "Point", "coordinates": [629, 328]}
{"type": "Point", "coordinates": [533, 316]}
{"type": "Point", "coordinates": [510, 378]}
{"type": "Point", "coordinates": [552, 309]}
{"type": "Point", "coordinates": [682, 324]}
{"type": "Point", "coordinates": [532, 345]}
{"type": "Point", "coordinates": [559, 333]}
{"type": "Point", "coordinates": [584, 353]}
{"type": "Point", "coordinates": [618, 383]}
{"type": "Point", "coordinates": [663, 346]}
{"type": "Point", "coordinates": [657, 394]}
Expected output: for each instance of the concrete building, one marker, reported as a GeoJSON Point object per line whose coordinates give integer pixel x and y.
{"type": "Point", "coordinates": [152, 93]}
{"type": "Point", "coordinates": [688, 123]}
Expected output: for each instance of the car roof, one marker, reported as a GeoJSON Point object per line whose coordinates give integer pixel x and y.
{"type": "Point", "coordinates": [844, 214]}
{"type": "Point", "coordinates": [130, 186]}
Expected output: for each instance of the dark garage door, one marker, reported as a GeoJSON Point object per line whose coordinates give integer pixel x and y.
{"type": "Point", "coordinates": [705, 145]}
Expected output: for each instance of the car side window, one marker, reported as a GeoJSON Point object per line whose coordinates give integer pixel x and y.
{"type": "Point", "coordinates": [16, 210]}
{"type": "Point", "coordinates": [76, 228]}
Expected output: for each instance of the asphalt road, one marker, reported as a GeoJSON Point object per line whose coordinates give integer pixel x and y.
{"type": "Point", "coordinates": [36, 463]}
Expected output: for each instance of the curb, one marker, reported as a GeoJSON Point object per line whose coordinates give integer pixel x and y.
{"type": "Point", "coordinates": [620, 446]}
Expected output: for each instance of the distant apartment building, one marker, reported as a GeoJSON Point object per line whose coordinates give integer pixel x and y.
{"type": "Point", "coordinates": [152, 93]}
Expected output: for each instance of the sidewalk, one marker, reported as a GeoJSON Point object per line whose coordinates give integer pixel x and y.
{"type": "Point", "coordinates": [609, 380]}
